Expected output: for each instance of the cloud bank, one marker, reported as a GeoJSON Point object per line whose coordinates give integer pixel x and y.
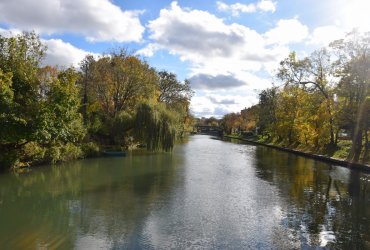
{"type": "Point", "coordinates": [204, 81]}
{"type": "Point", "coordinates": [223, 56]}
{"type": "Point", "coordinates": [97, 20]}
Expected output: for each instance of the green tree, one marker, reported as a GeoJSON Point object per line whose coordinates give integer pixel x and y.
{"type": "Point", "coordinates": [176, 96]}
{"type": "Point", "coordinates": [60, 109]}
{"type": "Point", "coordinates": [157, 126]}
{"type": "Point", "coordinates": [171, 90]}
{"type": "Point", "coordinates": [20, 58]}
{"type": "Point", "coordinates": [267, 111]}
{"type": "Point", "coordinates": [111, 89]}
{"type": "Point", "coordinates": [85, 82]}
{"type": "Point", "coordinates": [39, 107]}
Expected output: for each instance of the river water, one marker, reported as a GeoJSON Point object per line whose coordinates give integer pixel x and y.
{"type": "Point", "coordinates": [207, 194]}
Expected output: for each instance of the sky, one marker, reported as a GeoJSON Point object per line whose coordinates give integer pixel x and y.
{"type": "Point", "coordinates": [228, 49]}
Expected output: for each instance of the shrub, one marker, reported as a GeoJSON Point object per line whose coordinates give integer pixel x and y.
{"type": "Point", "coordinates": [53, 154]}
{"type": "Point", "coordinates": [90, 149]}
{"type": "Point", "coordinates": [70, 152]}
{"type": "Point", "coordinates": [34, 153]}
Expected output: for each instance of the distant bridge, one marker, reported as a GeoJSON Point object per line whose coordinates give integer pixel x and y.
{"type": "Point", "coordinates": [209, 130]}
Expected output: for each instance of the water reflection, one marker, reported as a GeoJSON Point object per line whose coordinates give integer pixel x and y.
{"type": "Point", "coordinates": [207, 194]}
{"type": "Point", "coordinates": [326, 205]}
{"type": "Point", "coordinates": [97, 202]}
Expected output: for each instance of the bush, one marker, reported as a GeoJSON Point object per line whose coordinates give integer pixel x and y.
{"type": "Point", "coordinates": [90, 149]}
{"type": "Point", "coordinates": [246, 134]}
{"type": "Point", "coordinates": [34, 153]}
{"type": "Point", "coordinates": [71, 152]}
{"type": "Point", "coordinates": [66, 152]}
{"type": "Point", "coordinates": [53, 154]}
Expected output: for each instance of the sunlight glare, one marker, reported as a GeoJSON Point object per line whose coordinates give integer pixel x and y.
{"type": "Point", "coordinates": [356, 14]}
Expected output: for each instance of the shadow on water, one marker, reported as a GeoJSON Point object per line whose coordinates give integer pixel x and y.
{"type": "Point", "coordinates": [98, 203]}
{"type": "Point", "coordinates": [327, 205]}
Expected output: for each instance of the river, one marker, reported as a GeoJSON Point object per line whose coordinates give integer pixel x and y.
{"type": "Point", "coordinates": [206, 194]}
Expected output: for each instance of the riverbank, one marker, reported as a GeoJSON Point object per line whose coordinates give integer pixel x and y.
{"type": "Point", "coordinates": [325, 158]}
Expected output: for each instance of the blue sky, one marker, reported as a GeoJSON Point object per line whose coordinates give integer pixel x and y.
{"type": "Point", "coordinates": [228, 49]}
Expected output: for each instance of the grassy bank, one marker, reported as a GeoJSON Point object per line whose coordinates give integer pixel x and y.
{"type": "Point", "coordinates": [335, 155]}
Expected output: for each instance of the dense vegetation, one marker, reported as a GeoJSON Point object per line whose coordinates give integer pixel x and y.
{"type": "Point", "coordinates": [322, 104]}
{"type": "Point", "coordinates": [48, 114]}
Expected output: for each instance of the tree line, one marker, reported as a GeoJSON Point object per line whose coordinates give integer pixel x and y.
{"type": "Point", "coordinates": [320, 103]}
{"type": "Point", "coordinates": [50, 114]}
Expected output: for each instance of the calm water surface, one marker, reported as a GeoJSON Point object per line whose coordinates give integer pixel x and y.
{"type": "Point", "coordinates": [207, 194]}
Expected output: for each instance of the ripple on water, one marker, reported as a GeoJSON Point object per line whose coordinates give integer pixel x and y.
{"type": "Point", "coordinates": [207, 194]}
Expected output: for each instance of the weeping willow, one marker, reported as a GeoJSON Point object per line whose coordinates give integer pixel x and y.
{"type": "Point", "coordinates": [157, 126]}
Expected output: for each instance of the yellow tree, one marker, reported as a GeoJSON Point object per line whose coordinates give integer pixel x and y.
{"type": "Point", "coordinates": [312, 74]}
{"type": "Point", "coordinates": [121, 81]}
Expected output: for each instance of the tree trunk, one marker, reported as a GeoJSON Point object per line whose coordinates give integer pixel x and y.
{"type": "Point", "coordinates": [84, 106]}
{"type": "Point", "coordinates": [331, 123]}
{"type": "Point", "coordinates": [359, 129]}
{"type": "Point", "coordinates": [354, 154]}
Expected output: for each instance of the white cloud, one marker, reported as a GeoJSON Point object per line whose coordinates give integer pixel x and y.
{"type": "Point", "coordinates": [237, 8]}
{"type": "Point", "coordinates": [211, 46]}
{"type": "Point", "coordinates": [324, 35]}
{"type": "Point", "coordinates": [266, 5]}
{"type": "Point", "coordinates": [148, 50]}
{"type": "Point", "coordinates": [220, 101]}
{"type": "Point", "coordinates": [352, 14]}
{"type": "Point", "coordinates": [218, 105]}
{"type": "Point", "coordinates": [192, 34]}
{"type": "Point", "coordinates": [202, 106]}
{"type": "Point", "coordinates": [345, 16]}
{"type": "Point", "coordinates": [9, 32]}
{"type": "Point", "coordinates": [287, 31]}
{"type": "Point", "coordinates": [60, 53]}
{"type": "Point", "coordinates": [222, 57]}
{"type": "Point", "coordinates": [98, 20]}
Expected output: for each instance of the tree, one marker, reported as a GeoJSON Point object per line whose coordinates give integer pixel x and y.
{"type": "Point", "coordinates": [38, 106]}
{"type": "Point", "coordinates": [176, 96]}
{"type": "Point", "coordinates": [118, 82]}
{"type": "Point", "coordinates": [249, 118]}
{"type": "Point", "coordinates": [7, 118]}
{"type": "Point", "coordinates": [85, 82]}
{"type": "Point", "coordinates": [267, 111]}
{"type": "Point", "coordinates": [20, 58]}
{"type": "Point", "coordinates": [287, 112]}
{"type": "Point", "coordinates": [171, 90]}
{"type": "Point", "coordinates": [231, 122]}
{"type": "Point", "coordinates": [312, 73]}
{"type": "Point", "coordinates": [60, 108]}
{"type": "Point", "coordinates": [156, 125]}
{"type": "Point", "coordinates": [111, 88]}
{"type": "Point", "coordinates": [353, 69]}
